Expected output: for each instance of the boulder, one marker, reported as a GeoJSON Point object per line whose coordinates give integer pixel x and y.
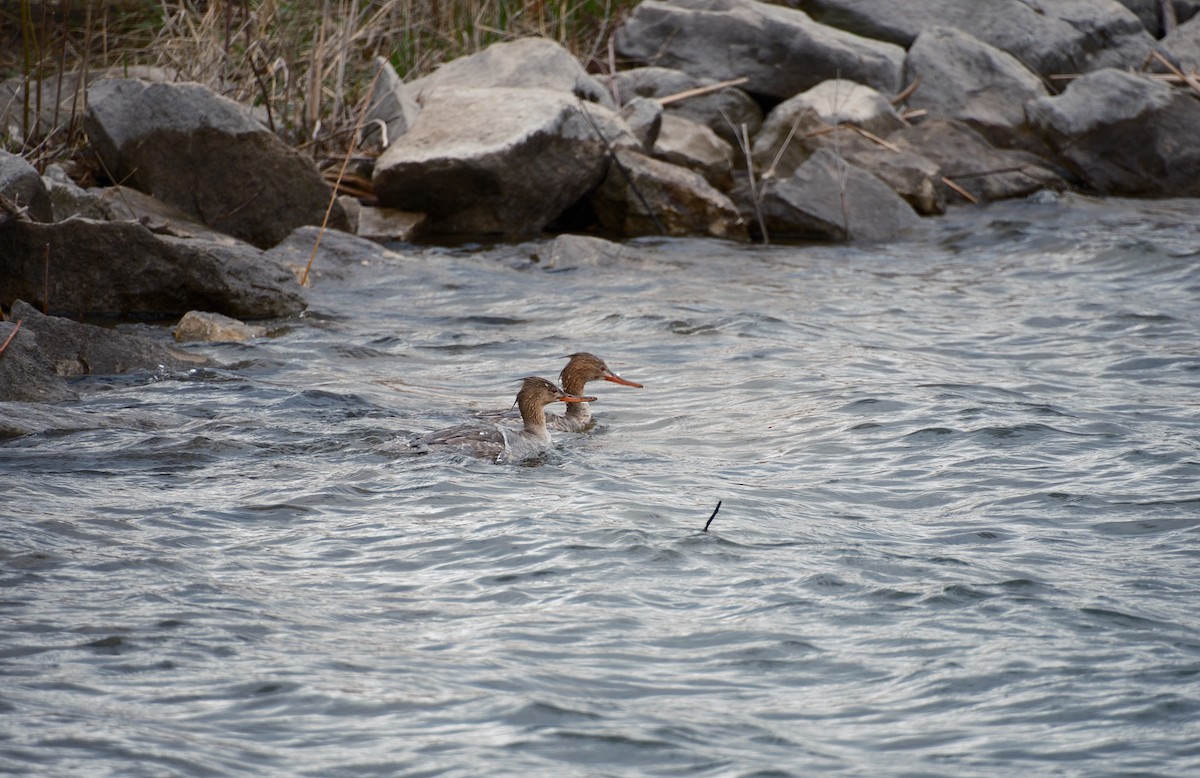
{"type": "Point", "coordinates": [526, 63]}
{"type": "Point", "coordinates": [694, 146]}
{"type": "Point", "coordinates": [535, 155]}
{"type": "Point", "coordinates": [385, 225]}
{"type": "Point", "coordinates": [644, 118]}
{"type": "Point", "coordinates": [207, 156]}
{"type": "Point", "coordinates": [391, 106]}
{"type": "Point", "coordinates": [574, 251]}
{"type": "Point", "coordinates": [26, 375]}
{"type": "Point", "coordinates": [963, 78]}
{"type": "Point", "coordinates": [916, 178]}
{"type": "Point", "coordinates": [122, 203]}
{"type": "Point", "coordinates": [23, 190]}
{"type": "Point", "coordinates": [780, 50]}
{"type": "Point", "coordinates": [839, 101]}
{"type": "Point", "coordinates": [123, 268]}
{"type": "Point", "coordinates": [681, 201]}
{"type": "Point", "coordinates": [1161, 18]}
{"type": "Point", "coordinates": [337, 253]}
{"type": "Point", "coordinates": [789, 136]}
{"type": "Point", "coordinates": [76, 349]}
{"type": "Point", "coordinates": [1048, 38]}
{"type": "Point", "coordinates": [1183, 46]}
{"type": "Point", "coordinates": [827, 198]}
{"type": "Point", "coordinates": [60, 98]}
{"type": "Point", "coordinates": [723, 111]}
{"type": "Point", "coordinates": [214, 328]}
{"type": "Point", "coordinates": [1125, 134]}
{"type": "Point", "coordinates": [971, 163]}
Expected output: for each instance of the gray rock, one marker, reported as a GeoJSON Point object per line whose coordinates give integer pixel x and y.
{"type": "Point", "coordinates": [391, 105]}
{"type": "Point", "coordinates": [839, 101]}
{"type": "Point", "coordinates": [644, 117]}
{"type": "Point", "coordinates": [1125, 134]}
{"type": "Point", "coordinates": [24, 190]}
{"type": "Point", "coordinates": [526, 63]}
{"type": "Point", "coordinates": [966, 158]}
{"type": "Point", "coordinates": [694, 146]}
{"type": "Point", "coordinates": [572, 251]}
{"type": "Point", "coordinates": [1048, 38]}
{"type": "Point", "coordinates": [789, 136]}
{"type": "Point", "coordinates": [61, 98]}
{"type": "Point", "coordinates": [827, 198]}
{"type": "Point", "coordinates": [723, 111]}
{"type": "Point", "coordinates": [123, 268]}
{"type": "Point", "coordinates": [681, 201]}
{"type": "Point", "coordinates": [337, 253]}
{"type": "Point", "coordinates": [26, 375]}
{"type": "Point", "coordinates": [780, 50]}
{"type": "Point", "coordinates": [914, 177]}
{"type": "Point", "coordinates": [534, 156]}
{"type": "Point", "coordinates": [1153, 14]}
{"type": "Point", "coordinates": [214, 328]}
{"type": "Point", "coordinates": [963, 78]}
{"type": "Point", "coordinates": [76, 349]}
{"type": "Point", "coordinates": [205, 155]}
{"type": "Point", "coordinates": [1183, 46]}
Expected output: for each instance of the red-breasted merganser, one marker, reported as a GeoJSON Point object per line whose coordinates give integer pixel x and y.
{"type": "Point", "coordinates": [580, 368]}
{"type": "Point", "coordinates": [500, 444]}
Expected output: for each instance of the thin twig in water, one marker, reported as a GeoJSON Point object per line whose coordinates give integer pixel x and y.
{"type": "Point", "coordinates": [965, 194]}
{"type": "Point", "coordinates": [713, 516]}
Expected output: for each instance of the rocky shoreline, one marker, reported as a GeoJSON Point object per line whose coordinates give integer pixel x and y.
{"type": "Point", "coordinates": [736, 119]}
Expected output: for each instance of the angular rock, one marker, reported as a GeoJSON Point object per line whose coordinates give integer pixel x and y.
{"type": "Point", "coordinates": [839, 101]}
{"type": "Point", "coordinates": [829, 199]}
{"type": "Point", "coordinates": [723, 111]}
{"type": "Point", "coordinates": [963, 78]}
{"type": "Point", "coordinates": [337, 253]}
{"type": "Point", "coordinates": [1048, 38]}
{"type": "Point", "coordinates": [205, 155]}
{"type": "Point", "coordinates": [26, 375]}
{"type": "Point", "coordinates": [967, 159]}
{"type": "Point", "coordinates": [691, 145]}
{"type": "Point", "coordinates": [384, 225]}
{"type": "Point", "coordinates": [1183, 46]}
{"type": "Point", "coordinates": [526, 63]}
{"type": "Point", "coordinates": [780, 50]}
{"type": "Point", "coordinates": [536, 154]}
{"type": "Point", "coordinates": [682, 202]}
{"type": "Point", "coordinates": [391, 104]}
{"type": "Point", "coordinates": [644, 117]}
{"type": "Point", "coordinates": [77, 349]}
{"type": "Point", "coordinates": [572, 251]}
{"type": "Point", "coordinates": [790, 134]}
{"type": "Point", "coordinates": [214, 328]}
{"type": "Point", "coordinates": [1125, 134]}
{"type": "Point", "coordinates": [61, 98]}
{"type": "Point", "coordinates": [23, 189]}
{"type": "Point", "coordinates": [124, 269]}
{"type": "Point", "coordinates": [914, 177]}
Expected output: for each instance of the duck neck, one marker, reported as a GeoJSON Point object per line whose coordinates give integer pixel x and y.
{"type": "Point", "coordinates": [534, 416]}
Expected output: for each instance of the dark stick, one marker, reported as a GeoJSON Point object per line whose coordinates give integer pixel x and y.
{"type": "Point", "coordinates": [713, 516]}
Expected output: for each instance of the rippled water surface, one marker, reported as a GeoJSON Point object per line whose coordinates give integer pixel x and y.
{"type": "Point", "coordinates": [960, 485]}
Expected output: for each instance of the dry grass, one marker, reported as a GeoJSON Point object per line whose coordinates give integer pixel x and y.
{"type": "Point", "coordinates": [305, 63]}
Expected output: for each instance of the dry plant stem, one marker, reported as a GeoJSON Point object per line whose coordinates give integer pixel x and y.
{"type": "Point", "coordinates": [11, 335]}
{"type": "Point", "coordinates": [755, 194]}
{"type": "Point", "coordinates": [906, 93]}
{"type": "Point", "coordinates": [702, 90]}
{"type": "Point", "coordinates": [362, 116]}
{"type": "Point", "coordinates": [1191, 81]}
{"type": "Point", "coordinates": [963, 192]}
{"type": "Point", "coordinates": [874, 138]}
{"type": "Point", "coordinates": [46, 281]}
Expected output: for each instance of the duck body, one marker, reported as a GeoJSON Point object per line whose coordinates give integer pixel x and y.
{"type": "Point", "coordinates": [503, 444]}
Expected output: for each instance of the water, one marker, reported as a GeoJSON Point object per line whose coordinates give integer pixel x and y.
{"type": "Point", "coordinates": [960, 485]}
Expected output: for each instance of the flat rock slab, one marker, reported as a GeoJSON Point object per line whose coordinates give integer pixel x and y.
{"type": "Point", "coordinates": [123, 269]}
{"type": "Point", "coordinates": [207, 156]}
{"type": "Point", "coordinates": [780, 50]}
